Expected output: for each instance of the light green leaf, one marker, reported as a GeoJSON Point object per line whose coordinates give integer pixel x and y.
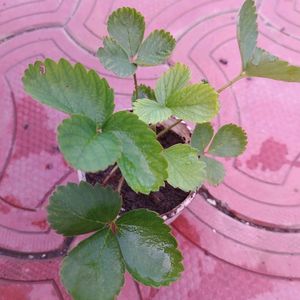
{"type": "Point", "coordinates": [215, 171]}
{"type": "Point", "coordinates": [172, 81]}
{"type": "Point", "coordinates": [85, 147]}
{"type": "Point", "coordinates": [141, 163]}
{"type": "Point", "coordinates": [144, 91]}
{"type": "Point", "coordinates": [156, 49]}
{"type": "Point", "coordinates": [201, 136]}
{"type": "Point", "coordinates": [150, 111]}
{"type": "Point", "coordinates": [229, 141]}
{"type": "Point", "coordinates": [126, 25]}
{"type": "Point", "coordinates": [247, 31]}
{"type": "Point", "coordinates": [185, 170]}
{"type": "Point", "coordinates": [148, 248]}
{"type": "Point", "coordinates": [70, 89]}
{"type": "Point", "coordinates": [94, 269]}
{"type": "Point", "coordinates": [197, 103]}
{"type": "Point", "coordinates": [78, 209]}
{"type": "Point", "coordinates": [115, 59]}
{"type": "Point", "coordinates": [266, 65]}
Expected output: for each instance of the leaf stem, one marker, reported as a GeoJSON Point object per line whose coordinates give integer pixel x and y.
{"type": "Point", "coordinates": [135, 85]}
{"type": "Point", "coordinates": [120, 184]}
{"type": "Point", "coordinates": [168, 128]}
{"type": "Point", "coordinates": [231, 82]}
{"type": "Point", "coordinates": [111, 173]}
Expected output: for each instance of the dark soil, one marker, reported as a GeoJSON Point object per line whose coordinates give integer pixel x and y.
{"type": "Point", "coordinates": [162, 201]}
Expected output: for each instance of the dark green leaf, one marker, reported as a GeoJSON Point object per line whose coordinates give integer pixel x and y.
{"type": "Point", "coordinates": [215, 171]}
{"type": "Point", "coordinates": [70, 89]}
{"type": "Point", "coordinates": [77, 209]}
{"type": "Point", "coordinates": [185, 170]}
{"type": "Point", "coordinates": [115, 59]}
{"type": "Point", "coordinates": [201, 136]}
{"type": "Point", "coordinates": [148, 248]}
{"type": "Point", "coordinates": [94, 269]}
{"type": "Point", "coordinates": [126, 25]}
{"type": "Point", "coordinates": [156, 49]}
{"type": "Point", "coordinates": [141, 162]}
{"type": "Point", "coordinates": [229, 141]}
{"type": "Point", "coordinates": [85, 147]}
{"type": "Point", "coordinates": [144, 92]}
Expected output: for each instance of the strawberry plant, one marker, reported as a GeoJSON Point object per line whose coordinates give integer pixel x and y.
{"type": "Point", "coordinates": [95, 138]}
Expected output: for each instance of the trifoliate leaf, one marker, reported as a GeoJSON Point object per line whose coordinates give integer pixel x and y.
{"type": "Point", "coordinates": [197, 103]}
{"type": "Point", "coordinates": [172, 81]}
{"type": "Point", "coordinates": [247, 31]}
{"type": "Point", "coordinates": [115, 59]}
{"type": "Point", "coordinates": [156, 49]}
{"type": "Point", "coordinates": [94, 269]}
{"type": "Point", "coordinates": [201, 136]}
{"type": "Point", "coordinates": [185, 171]}
{"type": "Point", "coordinates": [126, 26]}
{"type": "Point", "coordinates": [148, 248]}
{"type": "Point", "coordinates": [141, 163]}
{"type": "Point", "coordinates": [78, 209]}
{"type": "Point", "coordinates": [85, 147]}
{"type": "Point", "coordinates": [229, 141]}
{"type": "Point", "coordinates": [144, 92]}
{"type": "Point", "coordinates": [215, 171]}
{"type": "Point", "coordinates": [150, 111]}
{"type": "Point", "coordinates": [71, 89]}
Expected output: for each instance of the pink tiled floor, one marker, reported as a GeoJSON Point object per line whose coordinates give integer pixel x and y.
{"type": "Point", "coordinates": [225, 259]}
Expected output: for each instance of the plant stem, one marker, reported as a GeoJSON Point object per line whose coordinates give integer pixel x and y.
{"type": "Point", "coordinates": [231, 82]}
{"type": "Point", "coordinates": [135, 85]}
{"type": "Point", "coordinates": [168, 128]}
{"type": "Point", "coordinates": [111, 173]}
{"type": "Point", "coordinates": [119, 188]}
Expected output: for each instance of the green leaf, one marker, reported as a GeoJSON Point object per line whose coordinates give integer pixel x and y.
{"type": "Point", "coordinates": [71, 89]}
{"type": "Point", "coordinates": [77, 209]}
{"type": "Point", "coordinates": [126, 25]}
{"type": "Point", "coordinates": [185, 170]}
{"type": "Point", "coordinates": [156, 49]}
{"type": "Point", "coordinates": [94, 269]}
{"type": "Point", "coordinates": [144, 92]}
{"type": "Point", "coordinates": [150, 111]}
{"type": "Point", "coordinates": [197, 103]}
{"type": "Point", "coordinates": [172, 81]}
{"type": "Point", "coordinates": [148, 248]}
{"type": "Point", "coordinates": [141, 163]}
{"type": "Point", "coordinates": [215, 171]}
{"type": "Point", "coordinates": [85, 147]}
{"type": "Point", "coordinates": [115, 59]}
{"type": "Point", "coordinates": [247, 31]}
{"type": "Point", "coordinates": [201, 136]}
{"type": "Point", "coordinates": [229, 141]}
{"type": "Point", "coordinates": [266, 65]}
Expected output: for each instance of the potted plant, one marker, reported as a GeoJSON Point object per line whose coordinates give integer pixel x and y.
{"type": "Point", "coordinates": [141, 160]}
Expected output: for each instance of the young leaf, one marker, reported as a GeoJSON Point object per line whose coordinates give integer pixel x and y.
{"type": "Point", "coordinates": [115, 59]}
{"type": "Point", "coordinates": [201, 136]}
{"type": "Point", "coordinates": [94, 269]}
{"type": "Point", "coordinates": [215, 171]}
{"type": "Point", "coordinates": [144, 92]}
{"type": "Point", "coordinates": [148, 248]}
{"type": "Point", "coordinates": [185, 170]}
{"type": "Point", "coordinates": [86, 148]}
{"type": "Point", "coordinates": [197, 103]}
{"type": "Point", "coordinates": [141, 162]}
{"type": "Point", "coordinates": [126, 25]}
{"type": "Point", "coordinates": [229, 141]}
{"type": "Point", "coordinates": [71, 89]}
{"type": "Point", "coordinates": [78, 209]}
{"type": "Point", "coordinates": [156, 49]}
{"type": "Point", "coordinates": [247, 31]}
{"type": "Point", "coordinates": [172, 81]}
{"type": "Point", "coordinates": [150, 111]}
